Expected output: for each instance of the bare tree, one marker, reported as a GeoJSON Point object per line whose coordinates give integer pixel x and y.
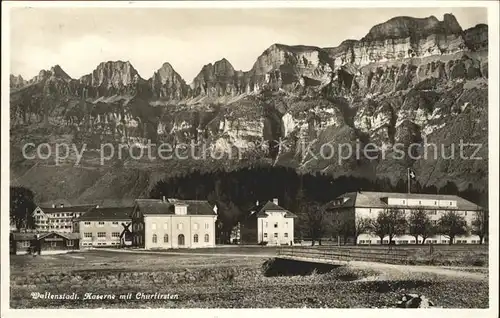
{"type": "Point", "coordinates": [420, 224]}
{"type": "Point", "coordinates": [480, 225]}
{"type": "Point", "coordinates": [390, 222]}
{"type": "Point", "coordinates": [317, 222]}
{"type": "Point", "coordinates": [451, 225]}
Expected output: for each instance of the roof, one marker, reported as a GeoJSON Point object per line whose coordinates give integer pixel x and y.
{"type": "Point", "coordinates": [371, 199]}
{"type": "Point", "coordinates": [74, 208]}
{"type": "Point", "coordinates": [112, 203]}
{"type": "Point", "coordinates": [57, 202]}
{"type": "Point", "coordinates": [98, 214]}
{"type": "Point", "coordinates": [270, 206]}
{"type": "Point", "coordinates": [157, 206]}
{"type": "Point", "coordinates": [17, 236]}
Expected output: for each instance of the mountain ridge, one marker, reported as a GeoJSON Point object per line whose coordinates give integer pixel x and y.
{"type": "Point", "coordinates": [409, 86]}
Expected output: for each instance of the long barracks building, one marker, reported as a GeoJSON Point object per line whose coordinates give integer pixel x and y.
{"type": "Point", "coordinates": [364, 204]}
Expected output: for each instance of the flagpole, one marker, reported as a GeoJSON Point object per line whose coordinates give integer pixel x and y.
{"type": "Point", "coordinates": [408, 176]}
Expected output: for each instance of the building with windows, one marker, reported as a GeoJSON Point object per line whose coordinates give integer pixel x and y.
{"type": "Point", "coordinates": [43, 243]}
{"type": "Point", "coordinates": [268, 224]}
{"type": "Point", "coordinates": [171, 223]}
{"type": "Point", "coordinates": [365, 204]}
{"type": "Point", "coordinates": [58, 217]}
{"type": "Point", "coordinates": [104, 226]}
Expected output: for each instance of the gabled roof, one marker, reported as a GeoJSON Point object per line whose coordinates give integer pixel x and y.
{"type": "Point", "coordinates": [107, 214]}
{"type": "Point", "coordinates": [156, 206]}
{"type": "Point", "coordinates": [375, 200]}
{"type": "Point", "coordinates": [57, 202]}
{"type": "Point", "coordinates": [260, 210]}
{"type": "Point", "coordinates": [74, 208]}
{"type": "Point", "coordinates": [16, 236]}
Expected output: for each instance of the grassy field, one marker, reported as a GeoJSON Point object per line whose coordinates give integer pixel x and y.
{"type": "Point", "coordinates": [220, 280]}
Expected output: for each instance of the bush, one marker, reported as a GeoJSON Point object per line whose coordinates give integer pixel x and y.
{"type": "Point", "coordinates": [263, 243]}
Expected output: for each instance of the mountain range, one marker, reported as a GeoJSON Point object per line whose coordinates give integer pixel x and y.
{"type": "Point", "coordinates": [407, 80]}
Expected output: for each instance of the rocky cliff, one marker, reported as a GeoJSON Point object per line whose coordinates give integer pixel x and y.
{"type": "Point", "coordinates": [407, 80]}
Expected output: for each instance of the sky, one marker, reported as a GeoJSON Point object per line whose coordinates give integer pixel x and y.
{"type": "Point", "coordinates": [78, 39]}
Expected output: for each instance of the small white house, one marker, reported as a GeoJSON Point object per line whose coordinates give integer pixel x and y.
{"type": "Point", "coordinates": [268, 224]}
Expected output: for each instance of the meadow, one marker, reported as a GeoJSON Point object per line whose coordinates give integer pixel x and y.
{"type": "Point", "coordinates": [222, 278]}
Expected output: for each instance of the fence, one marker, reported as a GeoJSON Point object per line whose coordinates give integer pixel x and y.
{"type": "Point", "coordinates": [330, 253]}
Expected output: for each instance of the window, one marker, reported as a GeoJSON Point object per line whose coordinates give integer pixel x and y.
{"type": "Point", "coordinates": [195, 226]}
{"type": "Point", "coordinates": [275, 234]}
{"type": "Point", "coordinates": [165, 238]}
{"type": "Point", "coordinates": [207, 226]}
{"type": "Point", "coordinates": [101, 223]}
{"type": "Point", "coordinates": [404, 201]}
{"type": "Point", "coordinates": [206, 238]}
{"type": "Point", "coordinates": [70, 243]}
{"type": "Point", "coordinates": [87, 234]}
{"type": "Point", "coordinates": [26, 244]}
{"type": "Point", "coordinates": [265, 234]}
{"type": "Point", "coordinates": [115, 223]}
{"type": "Point", "coordinates": [115, 234]}
{"type": "Point", "coordinates": [179, 226]}
{"type": "Point", "coordinates": [153, 226]}
{"type": "Point", "coordinates": [286, 224]}
{"type": "Point", "coordinates": [195, 238]}
{"type": "Point", "coordinates": [276, 225]}
{"type": "Point", "coordinates": [451, 203]}
{"type": "Point", "coordinates": [155, 238]}
{"type": "Point", "coordinates": [53, 244]}
{"type": "Point", "coordinates": [165, 225]}
{"type": "Point", "coordinates": [101, 234]}
{"type": "Point", "coordinates": [286, 234]}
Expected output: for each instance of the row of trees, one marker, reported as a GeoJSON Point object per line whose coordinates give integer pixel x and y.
{"type": "Point", "coordinates": [317, 222]}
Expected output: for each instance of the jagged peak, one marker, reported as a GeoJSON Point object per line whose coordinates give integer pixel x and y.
{"type": "Point", "coordinates": [291, 48]}
{"type": "Point", "coordinates": [117, 62]}
{"type": "Point", "coordinates": [166, 66]}
{"type": "Point", "coordinates": [16, 76]}
{"type": "Point", "coordinates": [404, 26]}
{"type": "Point", "coordinates": [167, 71]}
{"type": "Point", "coordinates": [223, 62]}
{"type": "Point", "coordinates": [58, 72]}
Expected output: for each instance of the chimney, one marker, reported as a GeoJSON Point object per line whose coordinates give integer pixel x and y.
{"type": "Point", "coordinates": [275, 201]}
{"type": "Point", "coordinates": [62, 205]}
{"type": "Point", "coordinates": [257, 203]}
{"type": "Point", "coordinates": [215, 208]}
{"type": "Point", "coordinates": [163, 199]}
{"type": "Point", "coordinates": [53, 206]}
{"type": "Point", "coordinates": [97, 206]}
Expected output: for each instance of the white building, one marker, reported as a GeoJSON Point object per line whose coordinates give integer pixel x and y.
{"type": "Point", "coordinates": [368, 205]}
{"type": "Point", "coordinates": [268, 223]}
{"type": "Point", "coordinates": [171, 223]}
{"type": "Point", "coordinates": [58, 217]}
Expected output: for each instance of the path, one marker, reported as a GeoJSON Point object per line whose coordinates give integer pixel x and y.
{"type": "Point", "coordinates": [443, 271]}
